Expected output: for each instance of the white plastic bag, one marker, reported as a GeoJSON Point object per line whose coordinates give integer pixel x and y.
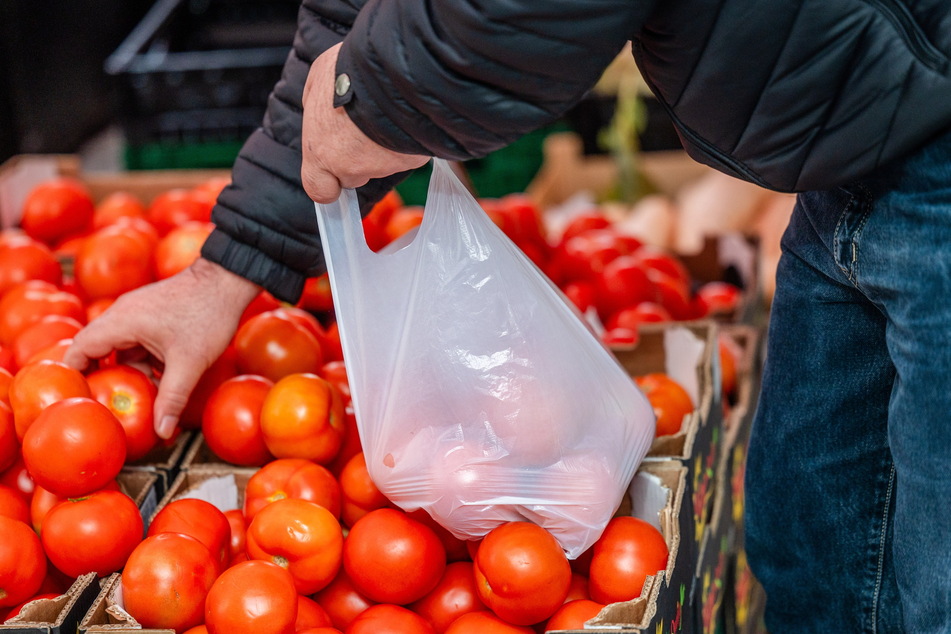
{"type": "Point", "coordinates": [480, 395]}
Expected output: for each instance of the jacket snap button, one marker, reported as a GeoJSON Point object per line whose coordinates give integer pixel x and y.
{"type": "Point", "coordinates": [342, 84]}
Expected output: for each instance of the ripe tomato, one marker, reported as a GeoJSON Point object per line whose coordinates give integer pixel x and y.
{"type": "Point", "coordinates": [130, 396]}
{"type": "Point", "coordinates": [579, 583]}
{"type": "Point", "coordinates": [585, 256]}
{"type": "Point", "coordinates": [360, 495]}
{"type": "Point", "coordinates": [621, 337]}
{"type": "Point", "coordinates": [573, 614]}
{"type": "Point", "coordinates": [273, 345]}
{"type": "Point", "coordinates": [177, 206]}
{"type": "Point", "coordinates": [294, 478]}
{"type": "Point", "coordinates": [521, 572]}
{"type": "Point", "coordinates": [301, 536]}
{"type": "Point", "coordinates": [456, 549]}
{"type": "Point", "coordinates": [336, 373]}
{"type": "Point", "coordinates": [317, 296]}
{"type": "Point", "coordinates": [22, 562]}
{"type": "Point", "coordinates": [9, 443]}
{"type": "Point", "coordinates": [669, 399]}
{"type": "Point", "coordinates": [97, 307]}
{"type": "Point", "coordinates": [55, 209]}
{"type": "Point", "coordinates": [623, 282]}
{"type": "Point", "coordinates": [95, 533]}
{"type": "Point", "coordinates": [180, 247]}
{"type": "Point", "coordinates": [253, 597]}
{"type": "Point", "coordinates": [385, 618]}
{"type": "Point", "coordinates": [18, 478]}
{"type": "Point", "coordinates": [485, 622]}
{"type": "Point", "coordinates": [166, 579]}
{"type": "Point", "coordinates": [720, 298]}
{"type": "Point", "coordinates": [231, 422]}
{"type": "Point", "coordinates": [43, 501]}
{"type": "Point", "coordinates": [13, 505]}
{"type": "Point", "coordinates": [118, 204]}
{"type": "Point", "coordinates": [729, 355]}
{"type": "Point", "coordinates": [453, 596]}
{"type": "Point", "coordinates": [39, 336]}
{"type": "Point", "coordinates": [342, 601]}
{"type": "Point", "coordinates": [113, 261]}
{"type": "Point", "coordinates": [6, 378]}
{"type": "Point", "coordinates": [261, 303]}
{"type": "Point", "coordinates": [199, 519]}
{"type": "Point", "coordinates": [302, 417]}
{"type": "Point", "coordinates": [633, 316]}
{"type": "Point", "coordinates": [23, 258]}
{"type": "Point", "coordinates": [351, 441]}
{"type": "Point", "coordinates": [392, 558]}
{"type": "Point", "coordinates": [628, 551]}
{"type": "Point", "coordinates": [582, 222]}
{"type": "Point", "coordinates": [310, 615]}
{"type": "Point", "coordinates": [222, 369]}
{"type": "Point", "coordinates": [374, 223]}
{"type": "Point", "coordinates": [87, 440]}
{"type": "Point", "coordinates": [403, 221]}
{"type": "Point", "coordinates": [38, 385]}
{"type": "Point", "coordinates": [581, 294]}
{"type": "Point", "coordinates": [28, 302]}
{"type": "Point", "coordinates": [239, 531]}
{"type": "Point", "coordinates": [665, 262]}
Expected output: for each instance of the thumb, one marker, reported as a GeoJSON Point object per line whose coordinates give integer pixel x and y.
{"type": "Point", "coordinates": [178, 380]}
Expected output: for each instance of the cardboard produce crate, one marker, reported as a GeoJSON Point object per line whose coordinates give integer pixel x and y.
{"type": "Point", "coordinates": [165, 462]}
{"type": "Point", "coordinates": [106, 614]}
{"type": "Point", "coordinates": [59, 615]}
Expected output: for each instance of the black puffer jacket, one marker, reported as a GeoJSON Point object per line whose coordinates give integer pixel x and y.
{"type": "Point", "coordinates": [797, 95]}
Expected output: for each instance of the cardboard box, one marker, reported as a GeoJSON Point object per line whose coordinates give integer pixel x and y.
{"type": "Point", "coordinates": [106, 613]}
{"type": "Point", "coordinates": [142, 487]}
{"type": "Point", "coordinates": [200, 456]}
{"type": "Point", "coordinates": [221, 486]}
{"type": "Point", "coordinates": [164, 462]}
{"type": "Point", "coordinates": [55, 616]}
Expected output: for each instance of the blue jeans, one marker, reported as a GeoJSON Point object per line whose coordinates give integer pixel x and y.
{"type": "Point", "coordinates": [848, 516]}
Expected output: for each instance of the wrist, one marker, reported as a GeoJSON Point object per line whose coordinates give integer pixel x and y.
{"type": "Point", "coordinates": [211, 275]}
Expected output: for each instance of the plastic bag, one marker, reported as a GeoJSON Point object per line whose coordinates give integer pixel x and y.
{"type": "Point", "coordinates": [480, 394]}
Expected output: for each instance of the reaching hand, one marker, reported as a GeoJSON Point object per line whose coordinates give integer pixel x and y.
{"type": "Point", "coordinates": [184, 323]}
{"type": "Point", "coordinates": [336, 153]}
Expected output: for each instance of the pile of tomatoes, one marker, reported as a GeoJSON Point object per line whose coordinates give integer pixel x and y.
{"type": "Point", "coordinates": [316, 547]}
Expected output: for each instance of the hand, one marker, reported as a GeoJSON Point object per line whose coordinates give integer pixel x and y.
{"type": "Point", "coordinates": [184, 323]}
{"type": "Point", "coordinates": [336, 153]}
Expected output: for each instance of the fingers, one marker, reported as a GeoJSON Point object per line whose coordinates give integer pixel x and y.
{"type": "Point", "coordinates": [322, 186]}
{"type": "Point", "coordinates": [95, 341]}
{"type": "Point", "coordinates": [179, 379]}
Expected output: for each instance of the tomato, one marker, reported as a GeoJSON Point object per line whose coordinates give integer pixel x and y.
{"type": "Point", "coordinates": [360, 495]}
{"type": "Point", "coordinates": [403, 220]}
{"type": "Point", "coordinates": [113, 261]}
{"type": "Point", "coordinates": [573, 614]}
{"type": "Point", "coordinates": [42, 334]}
{"type": "Point", "coordinates": [456, 549]}
{"type": "Point", "coordinates": [729, 354]}
{"type": "Point", "coordinates": [261, 303]}
{"type": "Point", "coordinates": [130, 395]}
{"type": "Point", "coordinates": [18, 478]}
{"type": "Point", "coordinates": [310, 614]}
{"type": "Point", "coordinates": [653, 258]}
{"type": "Point", "coordinates": [336, 373]}
{"type": "Point", "coordinates": [97, 307]}
{"type": "Point", "coordinates": [619, 337]}
{"type": "Point", "coordinates": [302, 417]}
{"type": "Point", "coordinates": [24, 258]}
{"type": "Point", "coordinates": [334, 347]}
{"type": "Point", "coordinates": [55, 209]}
{"type": "Point", "coordinates": [585, 256]}
{"type": "Point", "coordinates": [375, 222]}
{"type": "Point", "coordinates": [318, 630]}
{"type": "Point", "coordinates": [721, 298]}
{"type": "Point", "coordinates": [9, 443]}
{"type": "Point", "coordinates": [199, 519]}
{"type": "Point", "coordinates": [95, 533]}
{"type": "Point", "coordinates": [28, 302]}
{"type": "Point", "coordinates": [351, 441]}
{"type": "Point", "coordinates": [453, 596]}
{"type": "Point", "coordinates": [38, 385]}
{"type": "Point", "coordinates": [521, 572]}
{"type": "Point", "coordinates": [198, 629]}
{"type": "Point", "coordinates": [301, 536]}
{"type": "Point", "coordinates": [253, 597]}
{"type": "Point", "coordinates": [628, 551]}
{"type": "Point", "coordinates": [342, 601]}
{"type": "Point", "coordinates": [584, 221]}
{"type": "Point", "coordinates": [304, 319]}
{"type": "Point", "coordinates": [581, 294]}
{"type": "Point", "coordinates": [485, 622]}
{"type": "Point", "coordinates": [317, 295]}
{"type": "Point", "coordinates": [231, 422]}
{"type": "Point", "coordinates": [43, 501]}
{"type": "Point", "coordinates": [166, 579]}
{"type": "Point", "coordinates": [633, 316]}
{"type": "Point", "coordinates": [672, 294]}
{"type": "Point", "coordinates": [141, 229]}
{"type": "Point", "coordinates": [239, 531]}
{"type": "Point", "coordinates": [669, 399]}
{"type": "Point", "coordinates": [392, 558]}
{"type": "Point", "coordinates": [389, 619]}
{"type": "Point", "coordinates": [294, 478]}
{"type": "Point", "coordinates": [177, 206]}
{"type": "Point", "coordinates": [222, 369]}
{"type": "Point", "coordinates": [54, 352]}
{"type": "Point", "coordinates": [273, 345]}
{"type": "Point", "coordinates": [22, 562]}
{"type": "Point", "coordinates": [118, 204]}
{"type": "Point", "coordinates": [180, 247]}
{"type": "Point", "coordinates": [13, 505]}
{"type": "Point", "coordinates": [87, 440]}
{"type": "Point", "coordinates": [623, 282]}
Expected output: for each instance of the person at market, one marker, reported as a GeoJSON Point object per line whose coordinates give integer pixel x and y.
{"type": "Point", "coordinates": [847, 102]}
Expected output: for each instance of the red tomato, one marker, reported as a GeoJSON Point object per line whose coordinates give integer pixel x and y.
{"type": "Point", "coordinates": [579, 584]}
{"type": "Point", "coordinates": [166, 579]}
{"type": "Point", "coordinates": [375, 222]}
{"type": "Point", "coordinates": [342, 601]}
{"type": "Point", "coordinates": [261, 303]}
{"type": "Point", "coordinates": [13, 505]}
{"type": "Point", "coordinates": [310, 615]}
{"type": "Point", "coordinates": [360, 495]}
{"type": "Point", "coordinates": [23, 258]}
{"type": "Point", "coordinates": [223, 368]}
{"type": "Point", "coordinates": [231, 422]}
{"type": "Point", "coordinates": [43, 501]}
{"type": "Point", "coordinates": [628, 551]}
{"type": "Point", "coordinates": [669, 399]}
{"type": "Point", "coordinates": [97, 307]}
{"type": "Point", "coordinates": [485, 622]}
{"type": "Point", "coordinates": [351, 441]}
{"type": "Point", "coordinates": [573, 614]}
{"type": "Point", "coordinates": [729, 355]}
{"type": "Point", "coordinates": [253, 597]}
{"type": "Point", "coordinates": [55, 352]}
{"type": "Point", "coordinates": [199, 519]}
{"type": "Point", "coordinates": [130, 396]}
{"type": "Point", "coordinates": [633, 316]}
{"type": "Point", "coordinates": [301, 536]}
{"type": "Point", "coordinates": [620, 337]}
{"type": "Point", "coordinates": [86, 438]}
{"type": "Point", "coordinates": [522, 574]}
{"type": "Point", "coordinates": [273, 345]}
{"type": "Point", "coordinates": [334, 347]}
{"type": "Point", "coordinates": [95, 533]}
{"type": "Point", "coordinates": [180, 247]}
{"type": "Point", "coordinates": [672, 294]}
{"type": "Point", "coordinates": [9, 443]}
{"type": "Point", "coordinates": [392, 558]}
{"type": "Point", "coordinates": [585, 221]}
{"type": "Point", "coordinates": [456, 549]}
{"type": "Point", "coordinates": [402, 221]}
{"type": "Point", "coordinates": [302, 417]}
{"type": "Point", "coordinates": [22, 562]}
{"type": "Point", "coordinates": [453, 596]}
{"type": "Point", "coordinates": [113, 261]}
{"type": "Point", "coordinates": [56, 209]}
{"type": "Point", "coordinates": [317, 296]}
{"type": "Point", "coordinates": [623, 282]}
{"type": "Point", "coordinates": [18, 478]}
{"type": "Point", "coordinates": [318, 630]}
{"type": "Point", "coordinates": [336, 373]}
{"type": "Point", "coordinates": [294, 478]}
{"type": "Point", "coordinates": [38, 385]}
{"type": "Point", "coordinates": [585, 256]}
{"type": "Point", "coordinates": [581, 294]}
{"type": "Point", "coordinates": [119, 204]}
{"type": "Point", "coordinates": [385, 618]}
{"type": "Point", "coordinates": [28, 302]}
{"type": "Point", "coordinates": [211, 188]}
{"type": "Point", "coordinates": [6, 378]}
{"type": "Point", "coordinates": [720, 298]}
{"type": "Point", "coordinates": [239, 531]}
{"type": "Point", "coordinates": [664, 262]}
{"type": "Point", "coordinates": [175, 207]}
{"type": "Point", "coordinates": [42, 334]}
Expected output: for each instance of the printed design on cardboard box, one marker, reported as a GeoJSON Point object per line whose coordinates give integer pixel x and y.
{"type": "Point", "coordinates": [676, 624]}
{"type": "Point", "coordinates": [702, 491]}
{"type": "Point", "coordinates": [736, 481]}
{"type": "Point", "coordinates": [743, 589]}
{"type": "Point", "coordinates": [712, 589]}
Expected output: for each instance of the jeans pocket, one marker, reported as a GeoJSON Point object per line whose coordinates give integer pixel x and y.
{"type": "Point", "coordinates": [846, 237]}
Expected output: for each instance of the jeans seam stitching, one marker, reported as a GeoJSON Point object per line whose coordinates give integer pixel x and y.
{"type": "Point", "coordinates": [838, 227]}
{"type": "Point", "coordinates": [881, 550]}
{"type": "Point", "coordinates": [866, 213]}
